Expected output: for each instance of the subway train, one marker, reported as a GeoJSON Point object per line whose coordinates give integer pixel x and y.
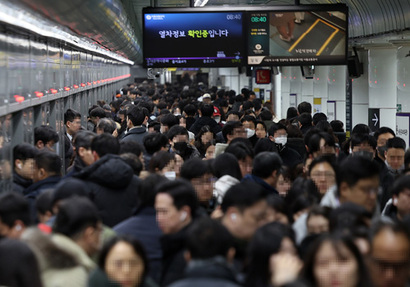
{"type": "Point", "coordinates": [351, 61]}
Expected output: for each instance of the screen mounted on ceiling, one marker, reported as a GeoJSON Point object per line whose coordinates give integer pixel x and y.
{"type": "Point", "coordinates": [189, 38]}
{"type": "Point", "coordinates": [305, 35]}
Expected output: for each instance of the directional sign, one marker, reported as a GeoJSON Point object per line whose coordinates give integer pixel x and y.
{"type": "Point", "coordinates": [374, 119]}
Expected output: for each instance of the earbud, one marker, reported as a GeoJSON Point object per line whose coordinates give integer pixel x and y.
{"type": "Point", "coordinates": [233, 216]}
{"type": "Point", "coordinates": [395, 201]}
{"type": "Point", "coordinates": [19, 166]}
{"type": "Point", "coordinates": [183, 216]}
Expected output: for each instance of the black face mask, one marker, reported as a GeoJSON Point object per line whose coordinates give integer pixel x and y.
{"type": "Point", "coordinates": [382, 150]}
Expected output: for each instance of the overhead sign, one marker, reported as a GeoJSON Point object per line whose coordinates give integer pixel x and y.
{"type": "Point", "coordinates": [374, 119]}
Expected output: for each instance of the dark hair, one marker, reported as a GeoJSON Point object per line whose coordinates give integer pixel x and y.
{"type": "Point", "coordinates": [302, 194]}
{"type": "Point", "coordinates": [75, 214]}
{"type": "Point", "coordinates": [70, 115]}
{"type": "Point", "coordinates": [348, 216]}
{"type": "Point", "coordinates": [198, 141]}
{"type": "Point", "coordinates": [291, 113]}
{"type": "Point", "coordinates": [44, 201]}
{"type": "Point", "coordinates": [314, 141]}
{"type": "Point", "coordinates": [249, 118]}
{"type": "Point", "coordinates": [107, 125]}
{"type": "Point", "coordinates": [207, 110]}
{"type": "Point", "coordinates": [319, 117]}
{"type": "Point", "coordinates": [239, 196]}
{"type": "Point", "coordinates": [265, 163]}
{"type": "Point", "coordinates": [13, 206]}
{"type": "Point", "coordinates": [154, 142]}
{"type": "Point", "coordinates": [207, 238]}
{"type": "Point", "coordinates": [133, 161]}
{"type": "Point", "coordinates": [355, 168]}
{"type": "Point", "coordinates": [337, 126]}
{"type": "Point", "coordinates": [137, 115]}
{"type": "Point", "coordinates": [194, 168]}
{"type": "Point", "coordinates": [177, 130]}
{"type": "Point", "coordinates": [358, 139]}
{"type": "Point", "coordinates": [304, 107]}
{"type": "Point", "coordinates": [266, 242]}
{"type": "Point", "coordinates": [400, 185]}
{"type": "Point", "coordinates": [240, 150]}
{"type": "Point", "coordinates": [361, 129]}
{"type": "Point", "coordinates": [227, 164]}
{"type": "Point", "coordinates": [83, 139]}
{"type": "Point", "coordinates": [190, 110]}
{"type": "Point", "coordinates": [335, 239]}
{"type": "Point", "coordinates": [131, 147]}
{"type": "Point", "coordinates": [45, 134]}
{"type": "Point", "coordinates": [105, 144]}
{"type": "Point", "coordinates": [147, 194]}
{"type": "Point", "coordinates": [169, 120]}
{"type": "Point", "coordinates": [396, 142]}
{"type": "Point", "coordinates": [383, 130]}
{"type": "Point", "coordinates": [49, 161]}
{"type": "Point", "coordinates": [98, 112]}
{"type": "Point", "coordinates": [24, 151]}
{"type": "Point", "coordinates": [277, 203]}
{"type": "Point", "coordinates": [136, 246]}
{"type": "Point", "coordinates": [160, 160]}
{"type": "Point", "coordinates": [319, 210]}
{"type": "Point", "coordinates": [229, 127]}
{"type": "Point", "coordinates": [182, 193]}
{"type": "Point", "coordinates": [275, 127]}
{"type": "Point", "coordinates": [305, 119]}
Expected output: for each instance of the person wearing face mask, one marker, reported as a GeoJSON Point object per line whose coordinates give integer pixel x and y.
{"type": "Point", "coordinates": [381, 136]}
{"type": "Point", "coordinates": [277, 133]}
{"type": "Point", "coordinates": [249, 123]}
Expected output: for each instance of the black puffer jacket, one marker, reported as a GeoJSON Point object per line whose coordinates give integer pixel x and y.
{"type": "Point", "coordinates": [113, 188]}
{"type": "Point", "coordinates": [211, 272]}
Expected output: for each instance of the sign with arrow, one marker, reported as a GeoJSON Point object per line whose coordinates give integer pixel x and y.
{"type": "Point", "coordinates": [374, 119]}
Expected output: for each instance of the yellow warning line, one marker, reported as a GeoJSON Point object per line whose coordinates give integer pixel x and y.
{"type": "Point", "coordinates": [327, 42]}
{"type": "Point", "coordinates": [303, 35]}
{"type": "Point", "coordinates": [310, 29]}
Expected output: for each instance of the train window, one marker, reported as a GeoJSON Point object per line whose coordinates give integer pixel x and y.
{"type": "Point", "coordinates": [28, 125]}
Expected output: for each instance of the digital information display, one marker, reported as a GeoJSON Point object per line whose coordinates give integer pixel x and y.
{"type": "Point", "coordinates": [287, 38]}
{"type": "Point", "coordinates": [193, 39]}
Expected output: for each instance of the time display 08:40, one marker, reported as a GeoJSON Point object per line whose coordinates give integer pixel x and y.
{"type": "Point", "coordinates": [257, 19]}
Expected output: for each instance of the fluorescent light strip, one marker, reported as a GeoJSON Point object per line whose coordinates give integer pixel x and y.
{"type": "Point", "coordinates": [15, 16]}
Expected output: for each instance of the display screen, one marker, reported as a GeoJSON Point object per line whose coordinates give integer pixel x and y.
{"type": "Point", "coordinates": [193, 39]}
{"type": "Point", "coordinates": [308, 36]}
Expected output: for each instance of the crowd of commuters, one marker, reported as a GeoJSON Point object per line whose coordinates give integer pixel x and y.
{"type": "Point", "coordinates": [190, 186]}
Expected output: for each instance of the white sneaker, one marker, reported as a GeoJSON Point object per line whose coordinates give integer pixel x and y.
{"type": "Point", "coordinates": [284, 39]}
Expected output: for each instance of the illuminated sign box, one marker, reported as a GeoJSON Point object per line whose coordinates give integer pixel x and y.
{"type": "Point", "coordinates": [263, 76]}
{"type": "Point", "coordinates": [193, 38]}
{"type": "Point", "coordinates": [298, 35]}
{"type": "Point", "coordinates": [246, 36]}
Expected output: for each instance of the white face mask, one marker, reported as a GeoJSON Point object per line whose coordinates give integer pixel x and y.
{"type": "Point", "coordinates": [281, 140]}
{"type": "Point", "coordinates": [217, 119]}
{"type": "Point", "coordinates": [171, 175]}
{"type": "Point", "coordinates": [249, 132]}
